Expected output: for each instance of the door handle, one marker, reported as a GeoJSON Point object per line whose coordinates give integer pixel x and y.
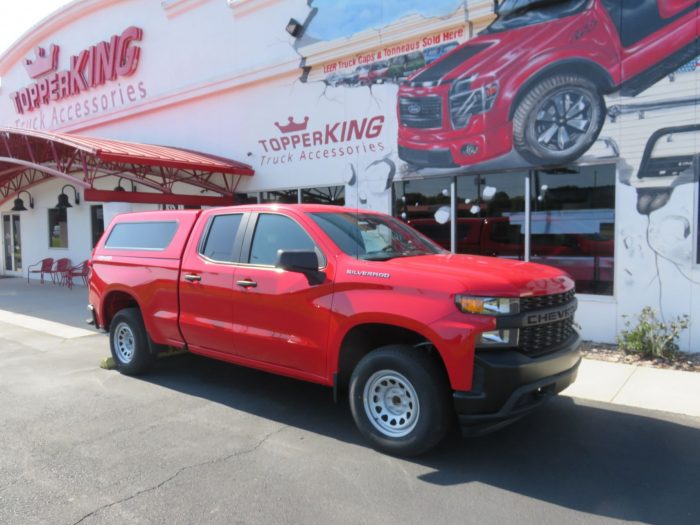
{"type": "Point", "coordinates": [193, 278]}
{"type": "Point", "coordinates": [247, 283]}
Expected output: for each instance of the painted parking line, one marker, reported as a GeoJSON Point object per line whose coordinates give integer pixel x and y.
{"type": "Point", "coordinates": [63, 331]}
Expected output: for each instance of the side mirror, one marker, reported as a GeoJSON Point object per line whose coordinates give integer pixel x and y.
{"type": "Point", "coordinates": [301, 261]}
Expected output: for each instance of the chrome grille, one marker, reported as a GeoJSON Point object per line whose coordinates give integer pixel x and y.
{"type": "Point", "coordinates": [420, 112]}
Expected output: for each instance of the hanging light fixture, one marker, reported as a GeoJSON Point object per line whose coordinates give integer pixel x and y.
{"type": "Point", "coordinates": [121, 188]}
{"type": "Point", "coordinates": [63, 201]}
{"type": "Point", "coordinates": [19, 203]}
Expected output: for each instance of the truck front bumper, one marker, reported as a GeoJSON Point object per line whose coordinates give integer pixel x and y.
{"type": "Point", "coordinates": [508, 384]}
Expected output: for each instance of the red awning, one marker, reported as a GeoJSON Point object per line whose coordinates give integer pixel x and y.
{"type": "Point", "coordinates": [110, 150]}
{"type": "Point", "coordinates": [28, 157]}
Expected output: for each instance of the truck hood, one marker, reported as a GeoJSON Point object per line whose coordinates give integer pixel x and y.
{"type": "Point", "coordinates": [486, 276]}
{"type": "Point", "coordinates": [489, 53]}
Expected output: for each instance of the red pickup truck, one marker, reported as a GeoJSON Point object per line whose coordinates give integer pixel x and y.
{"type": "Point", "coordinates": [535, 78]}
{"type": "Point", "coordinates": [352, 299]}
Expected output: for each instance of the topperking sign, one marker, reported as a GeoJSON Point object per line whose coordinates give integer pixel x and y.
{"type": "Point", "coordinates": [91, 68]}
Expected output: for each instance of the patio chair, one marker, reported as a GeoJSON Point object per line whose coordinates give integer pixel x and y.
{"type": "Point", "coordinates": [58, 273]}
{"type": "Point", "coordinates": [42, 267]}
{"type": "Point", "coordinates": [80, 271]}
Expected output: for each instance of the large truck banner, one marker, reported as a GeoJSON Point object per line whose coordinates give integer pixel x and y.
{"type": "Point", "coordinates": [529, 83]}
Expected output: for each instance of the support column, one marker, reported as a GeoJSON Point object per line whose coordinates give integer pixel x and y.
{"type": "Point", "coordinates": [527, 217]}
{"type": "Point", "coordinates": [453, 215]}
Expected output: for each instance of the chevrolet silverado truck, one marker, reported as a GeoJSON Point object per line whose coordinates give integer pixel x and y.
{"type": "Point", "coordinates": [355, 300]}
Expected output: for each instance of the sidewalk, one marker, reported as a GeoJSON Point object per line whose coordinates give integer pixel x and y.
{"type": "Point", "coordinates": [638, 386]}
{"type": "Point", "coordinates": [45, 301]}
{"type": "Point", "coordinates": [61, 312]}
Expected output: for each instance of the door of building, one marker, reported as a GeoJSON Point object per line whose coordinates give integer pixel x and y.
{"type": "Point", "coordinates": [12, 245]}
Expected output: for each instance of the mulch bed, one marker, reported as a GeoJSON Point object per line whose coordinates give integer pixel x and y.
{"type": "Point", "coordinates": [611, 353]}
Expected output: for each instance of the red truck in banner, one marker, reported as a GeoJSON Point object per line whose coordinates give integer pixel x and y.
{"type": "Point", "coordinates": [534, 79]}
{"type": "Point", "coordinates": [351, 299]}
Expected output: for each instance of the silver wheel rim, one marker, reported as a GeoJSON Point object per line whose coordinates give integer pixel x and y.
{"type": "Point", "coordinates": [563, 120]}
{"type": "Point", "coordinates": [124, 344]}
{"type": "Point", "coordinates": [391, 403]}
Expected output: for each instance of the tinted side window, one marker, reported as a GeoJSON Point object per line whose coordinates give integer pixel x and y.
{"type": "Point", "coordinates": [221, 235]}
{"type": "Point", "coordinates": [141, 235]}
{"type": "Point", "coordinates": [637, 19]}
{"type": "Point", "coordinates": [276, 232]}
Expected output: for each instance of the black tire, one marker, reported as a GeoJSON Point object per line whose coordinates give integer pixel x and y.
{"type": "Point", "coordinates": [419, 424]}
{"type": "Point", "coordinates": [129, 343]}
{"type": "Point", "coordinates": [558, 120]}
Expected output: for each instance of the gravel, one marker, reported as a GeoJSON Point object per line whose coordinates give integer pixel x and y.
{"type": "Point", "coordinates": [612, 353]}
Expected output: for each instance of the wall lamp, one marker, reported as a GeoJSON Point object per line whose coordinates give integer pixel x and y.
{"type": "Point", "coordinates": [19, 203]}
{"type": "Point", "coordinates": [294, 27]}
{"type": "Point", "coordinates": [63, 198]}
{"type": "Point", "coordinates": [121, 188]}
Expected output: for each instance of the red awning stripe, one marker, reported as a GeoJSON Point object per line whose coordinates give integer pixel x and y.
{"type": "Point", "coordinates": [110, 150]}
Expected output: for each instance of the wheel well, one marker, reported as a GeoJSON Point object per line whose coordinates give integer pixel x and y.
{"type": "Point", "coordinates": [362, 339]}
{"type": "Point", "coordinates": [584, 68]}
{"type": "Point", "coordinates": [114, 302]}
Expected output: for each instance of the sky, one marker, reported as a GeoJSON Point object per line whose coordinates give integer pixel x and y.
{"type": "Point", "coordinates": [17, 16]}
{"type": "Point", "coordinates": [337, 19]}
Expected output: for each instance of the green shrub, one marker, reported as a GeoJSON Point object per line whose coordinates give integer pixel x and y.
{"type": "Point", "coordinates": [652, 337]}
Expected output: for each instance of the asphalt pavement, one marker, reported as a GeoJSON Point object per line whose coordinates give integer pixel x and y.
{"type": "Point", "coordinates": [199, 441]}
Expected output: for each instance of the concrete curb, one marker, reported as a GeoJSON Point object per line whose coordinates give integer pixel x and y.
{"type": "Point", "coordinates": [673, 391]}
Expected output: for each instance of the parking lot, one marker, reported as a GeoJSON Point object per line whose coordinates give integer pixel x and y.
{"type": "Point", "coordinates": [198, 441]}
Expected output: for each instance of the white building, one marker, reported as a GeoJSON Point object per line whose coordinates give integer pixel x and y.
{"type": "Point", "coordinates": [282, 100]}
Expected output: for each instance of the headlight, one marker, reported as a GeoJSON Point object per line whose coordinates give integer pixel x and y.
{"type": "Point", "coordinates": [465, 101]}
{"type": "Point", "coordinates": [470, 304]}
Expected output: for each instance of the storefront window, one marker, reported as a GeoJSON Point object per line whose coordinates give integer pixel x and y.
{"type": "Point", "coordinates": [246, 198]}
{"type": "Point", "coordinates": [573, 224]}
{"type": "Point", "coordinates": [281, 196]}
{"type": "Point", "coordinates": [486, 205]}
{"type": "Point", "coordinates": [334, 195]}
{"type": "Point", "coordinates": [97, 223]}
{"type": "Point", "coordinates": [58, 228]}
{"type": "Point", "coordinates": [572, 219]}
{"type": "Point", "coordinates": [425, 205]}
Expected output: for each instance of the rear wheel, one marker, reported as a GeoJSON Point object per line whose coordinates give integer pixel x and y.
{"type": "Point", "coordinates": [129, 343]}
{"type": "Point", "coordinates": [558, 120]}
{"type": "Point", "coordinates": [399, 398]}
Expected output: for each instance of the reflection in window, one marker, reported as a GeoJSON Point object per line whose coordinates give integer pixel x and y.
{"type": "Point", "coordinates": [572, 221]}
{"type": "Point", "coordinates": [276, 232]}
{"type": "Point", "coordinates": [334, 195]}
{"type": "Point", "coordinates": [97, 223]}
{"type": "Point", "coordinates": [246, 198]}
{"type": "Point", "coordinates": [425, 205]}
{"type": "Point", "coordinates": [58, 228]}
{"type": "Point", "coordinates": [281, 196]}
{"type": "Point", "coordinates": [218, 245]}
{"type": "Point", "coordinates": [573, 224]}
{"type": "Point", "coordinates": [155, 235]}
{"type": "Point", "coordinates": [485, 205]}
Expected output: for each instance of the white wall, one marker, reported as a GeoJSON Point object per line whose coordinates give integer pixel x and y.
{"type": "Point", "coordinates": [218, 77]}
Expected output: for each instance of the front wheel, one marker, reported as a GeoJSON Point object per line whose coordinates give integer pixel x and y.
{"type": "Point", "coordinates": [129, 343]}
{"type": "Point", "coordinates": [558, 119]}
{"type": "Point", "coordinates": [399, 398]}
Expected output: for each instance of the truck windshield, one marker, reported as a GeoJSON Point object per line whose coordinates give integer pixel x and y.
{"type": "Point", "coordinates": [373, 237]}
{"type": "Point", "coordinates": [512, 14]}
{"type": "Point", "coordinates": [672, 152]}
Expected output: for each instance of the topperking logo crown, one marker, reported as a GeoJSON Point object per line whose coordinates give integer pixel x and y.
{"type": "Point", "coordinates": [43, 62]}
{"type": "Point", "coordinates": [293, 126]}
